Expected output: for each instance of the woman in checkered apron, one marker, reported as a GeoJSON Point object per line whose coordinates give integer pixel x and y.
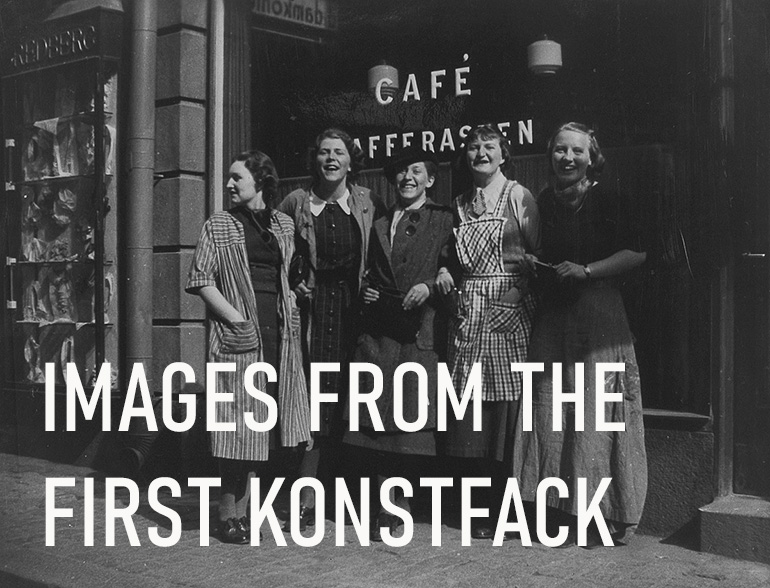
{"type": "Point", "coordinates": [496, 241]}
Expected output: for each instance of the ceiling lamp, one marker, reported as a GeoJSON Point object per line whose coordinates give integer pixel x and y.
{"type": "Point", "coordinates": [544, 57]}
{"type": "Point", "coordinates": [383, 82]}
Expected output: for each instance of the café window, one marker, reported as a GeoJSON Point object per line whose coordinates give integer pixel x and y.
{"type": "Point", "coordinates": [625, 73]}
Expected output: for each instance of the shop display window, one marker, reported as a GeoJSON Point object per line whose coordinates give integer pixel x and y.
{"type": "Point", "coordinates": [60, 244]}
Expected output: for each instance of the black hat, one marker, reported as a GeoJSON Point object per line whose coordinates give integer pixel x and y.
{"type": "Point", "coordinates": [407, 157]}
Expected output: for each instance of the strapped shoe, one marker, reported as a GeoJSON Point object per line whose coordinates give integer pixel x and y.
{"type": "Point", "coordinates": [233, 531]}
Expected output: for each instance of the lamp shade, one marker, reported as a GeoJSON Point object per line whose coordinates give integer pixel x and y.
{"type": "Point", "coordinates": [383, 82]}
{"type": "Point", "coordinates": [544, 57]}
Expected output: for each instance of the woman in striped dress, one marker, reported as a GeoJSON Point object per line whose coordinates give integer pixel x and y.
{"type": "Point", "coordinates": [496, 240]}
{"type": "Point", "coordinates": [241, 271]}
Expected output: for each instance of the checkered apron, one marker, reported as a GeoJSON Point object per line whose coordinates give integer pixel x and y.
{"type": "Point", "coordinates": [486, 330]}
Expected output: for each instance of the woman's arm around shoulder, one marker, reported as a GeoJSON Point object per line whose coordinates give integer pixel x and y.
{"type": "Point", "coordinates": [290, 204]}
{"type": "Point", "coordinates": [528, 213]}
{"type": "Point", "coordinates": [285, 222]}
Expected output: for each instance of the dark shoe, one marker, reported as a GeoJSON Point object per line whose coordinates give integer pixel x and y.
{"type": "Point", "coordinates": [594, 540]}
{"type": "Point", "coordinates": [232, 531]}
{"type": "Point", "coordinates": [384, 520]}
{"type": "Point", "coordinates": [570, 541]}
{"type": "Point", "coordinates": [482, 532]}
{"type": "Point", "coordinates": [510, 535]}
{"type": "Point", "coordinates": [306, 519]}
{"type": "Point", "coordinates": [244, 526]}
{"type": "Point", "coordinates": [374, 533]}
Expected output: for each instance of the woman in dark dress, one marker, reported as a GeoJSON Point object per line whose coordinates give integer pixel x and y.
{"type": "Point", "coordinates": [333, 219]}
{"type": "Point", "coordinates": [403, 321]}
{"type": "Point", "coordinates": [241, 271]}
{"type": "Point", "coordinates": [582, 319]}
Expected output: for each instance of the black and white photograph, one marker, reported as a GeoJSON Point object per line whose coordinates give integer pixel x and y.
{"type": "Point", "coordinates": [385, 293]}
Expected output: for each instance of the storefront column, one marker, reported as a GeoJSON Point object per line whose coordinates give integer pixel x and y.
{"type": "Point", "coordinates": [237, 79]}
{"type": "Point", "coordinates": [734, 525]}
{"type": "Point", "coordinates": [139, 206]}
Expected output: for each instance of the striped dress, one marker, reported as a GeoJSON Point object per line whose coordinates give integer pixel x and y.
{"type": "Point", "coordinates": [220, 260]}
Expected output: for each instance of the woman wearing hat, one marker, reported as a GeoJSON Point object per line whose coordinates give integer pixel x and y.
{"type": "Point", "coordinates": [403, 322]}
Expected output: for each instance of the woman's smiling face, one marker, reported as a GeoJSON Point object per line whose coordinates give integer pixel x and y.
{"type": "Point", "coordinates": [412, 181]}
{"type": "Point", "coordinates": [570, 157]}
{"type": "Point", "coordinates": [332, 161]}
{"type": "Point", "coordinates": [484, 156]}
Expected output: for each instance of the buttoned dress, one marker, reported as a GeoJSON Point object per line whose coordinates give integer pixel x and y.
{"type": "Point", "coordinates": [336, 243]}
{"type": "Point", "coordinates": [487, 330]}
{"type": "Point", "coordinates": [221, 260]}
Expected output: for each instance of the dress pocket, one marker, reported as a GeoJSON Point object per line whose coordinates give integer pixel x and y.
{"type": "Point", "coordinates": [503, 317]}
{"type": "Point", "coordinates": [239, 337]}
{"type": "Point", "coordinates": [295, 316]}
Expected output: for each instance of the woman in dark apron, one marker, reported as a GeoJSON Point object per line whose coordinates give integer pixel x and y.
{"type": "Point", "coordinates": [581, 319]}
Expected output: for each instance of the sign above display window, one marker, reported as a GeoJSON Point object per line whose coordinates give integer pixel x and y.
{"type": "Point", "coordinates": [87, 34]}
{"type": "Point", "coordinates": [318, 14]}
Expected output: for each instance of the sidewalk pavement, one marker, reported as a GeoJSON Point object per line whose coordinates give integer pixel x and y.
{"type": "Point", "coordinates": [25, 561]}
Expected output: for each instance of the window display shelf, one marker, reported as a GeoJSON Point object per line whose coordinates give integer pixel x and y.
{"type": "Point", "coordinates": [59, 387]}
{"type": "Point", "coordinates": [89, 116]}
{"type": "Point", "coordinates": [77, 325]}
{"type": "Point", "coordinates": [75, 263]}
{"type": "Point", "coordinates": [55, 179]}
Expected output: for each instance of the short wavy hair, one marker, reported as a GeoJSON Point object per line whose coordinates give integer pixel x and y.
{"type": "Point", "coordinates": [264, 173]}
{"type": "Point", "coordinates": [357, 158]}
{"type": "Point", "coordinates": [485, 132]}
{"type": "Point", "coordinates": [597, 159]}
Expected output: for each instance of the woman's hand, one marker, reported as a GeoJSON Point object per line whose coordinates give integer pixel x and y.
{"type": "Point", "coordinates": [236, 318]}
{"type": "Point", "coordinates": [303, 292]}
{"type": "Point", "coordinates": [567, 269]}
{"type": "Point", "coordinates": [371, 295]}
{"type": "Point", "coordinates": [529, 261]}
{"type": "Point", "coordinates": [512, 296]}
{"type": "Point", "coordinates": [444, 281]}
{"type": "Point", "coordinates": [616, 264]}
{"type": "Point", "coordinates": [416, 296]}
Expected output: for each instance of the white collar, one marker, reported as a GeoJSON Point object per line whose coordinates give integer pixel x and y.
{"type": "Point", "coordinates": [493, 190]}
{"type": "Point", "coordinates": [317, 204]}
{"type": "Point", "coordinates": [414, 205]}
